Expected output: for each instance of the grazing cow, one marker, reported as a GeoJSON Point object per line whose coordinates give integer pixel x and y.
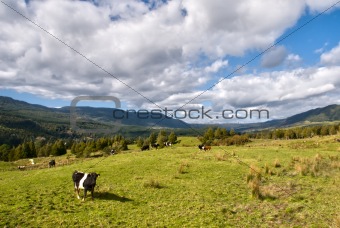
{"type": "Point", "coordinates": [155, 145]}
{"type": "Point", "coordinates": [21, 167]}
{"type": "Point", "coordinates": [146, 147]}
{"type": "Point", "coordinates": [337, 140]}
{"type": "Point", "coordinates": [86, 181]}
{"type": "Point", "coordinates": [51, 163]}
{"type": "Point", "coordinates": [167, 144]}
{"type": "Point", "coordinates": [200, 147]}
{"type": "Point", "coordinates": [206, 147]}
{"type": "Point", "coordinates": [32, 161]}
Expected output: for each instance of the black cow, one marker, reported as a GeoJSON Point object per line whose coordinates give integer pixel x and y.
{"type": "Point", "coordinates": [86, 181]}
{"type": "Point", "coordinates": [201, 147]}
{"type": "Point", "coordinates": [146, 147]}
{"type": "Point", "coordinates": [51, 163]}
{"type": "Point", "coordinates": [155, 145]}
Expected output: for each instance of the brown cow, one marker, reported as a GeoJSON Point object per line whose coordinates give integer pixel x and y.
{"type": "Point", "coordinates": [206, 147]}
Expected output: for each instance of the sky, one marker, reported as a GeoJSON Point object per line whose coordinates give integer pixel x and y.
{"type": "Point", "coordinates": [281, 56]}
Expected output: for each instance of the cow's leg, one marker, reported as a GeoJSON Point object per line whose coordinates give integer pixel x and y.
{"type": "Point", "coordinates": [92, 190]}
{"type": "Point", "coordinates": [76, 190]}
{"type": "Point", "coordinates": [85, 190]}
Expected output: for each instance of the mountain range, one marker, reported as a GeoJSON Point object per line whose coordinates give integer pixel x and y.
{"type": "Point", "coordinates": [31, 120]}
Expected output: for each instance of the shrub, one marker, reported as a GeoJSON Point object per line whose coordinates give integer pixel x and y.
{"type": "Point", "coordinates": [221, 156]}
{"type": "Point", "coordinates": [254, 181]}
{"type": "Point", "coordinates": [152, 183]}
{"type": "Point", "coordinates": [277, 163]}
{"type": "Point", "coordinates": [183, 167]}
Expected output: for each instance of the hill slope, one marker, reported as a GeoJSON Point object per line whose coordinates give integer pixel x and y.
{"type": "Point", "coordinates": [18, 118]}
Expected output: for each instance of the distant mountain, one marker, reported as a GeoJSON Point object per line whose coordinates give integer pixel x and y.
{"type": "Point", "coordinates": [105, 115]}
{"type": "Point", "coordinates": [328, 113]}
{"type": "Point", "coordinates": [30, 120]}
{"type": "Point", "coordinates": [20, 120]}
{"type": "Point", "coordinates": [315, 116]}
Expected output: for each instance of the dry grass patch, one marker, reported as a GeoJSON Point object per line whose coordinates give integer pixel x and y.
{"type": "Point", "coordinates": [219, 156]}
{"type": "Point", "coordinates": [254, 181]}
{"type": "Point", "coordinates": [183, 167]}
{"type": "Point", "coordinates": [277, 163]}
{"type": "Point", "coordinates": [152, 183]}
{"type": "Point", "coordinates": [315, 166]}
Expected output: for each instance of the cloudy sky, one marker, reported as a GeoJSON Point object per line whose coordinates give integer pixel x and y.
{"type": "Point", "coordinates": [280, 55]}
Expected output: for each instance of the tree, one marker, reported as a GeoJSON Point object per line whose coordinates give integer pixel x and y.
{"type": "Point", "coordinates": [208, 136]}
{"type": "Point", "coordinates": [123, 145]}
{"type": "Point", "coordinates": [58, 148]}
{"type": "Point", "coordinates": [153, 138]}
{"type": "Point", "coordinates": [140, 142]}
{"type": "Point", "coordinates": [232, 132]}
{"type": "Point", "coordinates": [324, 130]}
{"type": "Point", "coordinates": [332, 130]}
{"type": "Point", "coordinates": [224, 133]}
{"type": "Point", "coordinates": [146, 142]}
{"type": "Point", "coordinates": [45, 150]}
{"type": "Point", "coordinates": [101, 143]}
{"type": "Point", "coordinates": [172, 138]}
{"type": "Point", "coordinates": [5, 150]}
{"type": "Point", "coordinates": [218, 133]}
{"type": "Point", "coordinates": [279, 134]}
{"type": "Point", "coordinates": [162, 138]}
{"type": "Point", "coordinates": [32, 150]}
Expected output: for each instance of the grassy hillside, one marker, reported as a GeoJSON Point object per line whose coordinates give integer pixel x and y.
{"type": "Point", "coordinates": [328, 113]}
{"type": "Point", "coordinates": [182, 186]}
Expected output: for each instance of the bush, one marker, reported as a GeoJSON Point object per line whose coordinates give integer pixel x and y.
{"type": "Point", "coordinates": [152, 183]}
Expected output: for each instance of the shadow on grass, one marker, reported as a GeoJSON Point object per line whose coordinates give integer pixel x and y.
{"type": "Point", "coordinates": [111, 196]}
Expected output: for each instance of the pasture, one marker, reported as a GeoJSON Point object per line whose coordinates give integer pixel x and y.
{"type": "Point", "coordinates": [182, 186]}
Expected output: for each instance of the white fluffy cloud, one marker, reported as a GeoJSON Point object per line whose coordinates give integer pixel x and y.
{"type": "Point", "coordinates": [317, 5]}
{"type": "Point", "coordinates": [276, 89]}
{"type": "Point", "coordinates": [166, 51]}
{"type": "Point", "coordinates": [332, 57]}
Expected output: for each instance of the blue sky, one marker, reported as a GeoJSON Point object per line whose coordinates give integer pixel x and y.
{"type": "Point", "coordinates": [164, 58]}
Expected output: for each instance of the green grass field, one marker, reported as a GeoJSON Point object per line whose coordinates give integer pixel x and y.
{"type": "Point", "coordinates": [182, 186]}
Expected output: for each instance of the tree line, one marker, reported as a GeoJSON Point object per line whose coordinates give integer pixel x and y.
{"type": "Point", "coordinates": [40, 147]}
{"type": "Point", "coordinates": [161, 138]}
{"type": "Point", "coordinates": [85, 147]}
{"type": "Point", "coordinates": [298, 132]}
{"type": "Point", "coordinates": [222, 137]}
{"type": "Point", "coordinates": [32, 149]}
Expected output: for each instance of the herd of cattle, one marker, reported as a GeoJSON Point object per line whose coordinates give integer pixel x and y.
{"type": "Point", "coordinates": [167, 144]}
{"type": "Point", "coordinates": [155, 145]}
{"type": "Point", "coordinates": [51, 164]}
{"type": "Point", "coordinates": [87, 181]}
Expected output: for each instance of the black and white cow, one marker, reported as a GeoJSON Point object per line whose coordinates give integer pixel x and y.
{"type": "Point", "coordinates": [86, 181]}
{"type": "Point", "coordinates": [51, 163]}
{"type": "Point", "coordinates": [204, 147]}
{"type": "Point", "coordinates": [167, 144]}
{"type": "Point", "coordinates": [155, 145]}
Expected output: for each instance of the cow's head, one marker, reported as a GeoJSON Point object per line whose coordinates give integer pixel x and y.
{"type": "Point", "coordinates": [94, 175]}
